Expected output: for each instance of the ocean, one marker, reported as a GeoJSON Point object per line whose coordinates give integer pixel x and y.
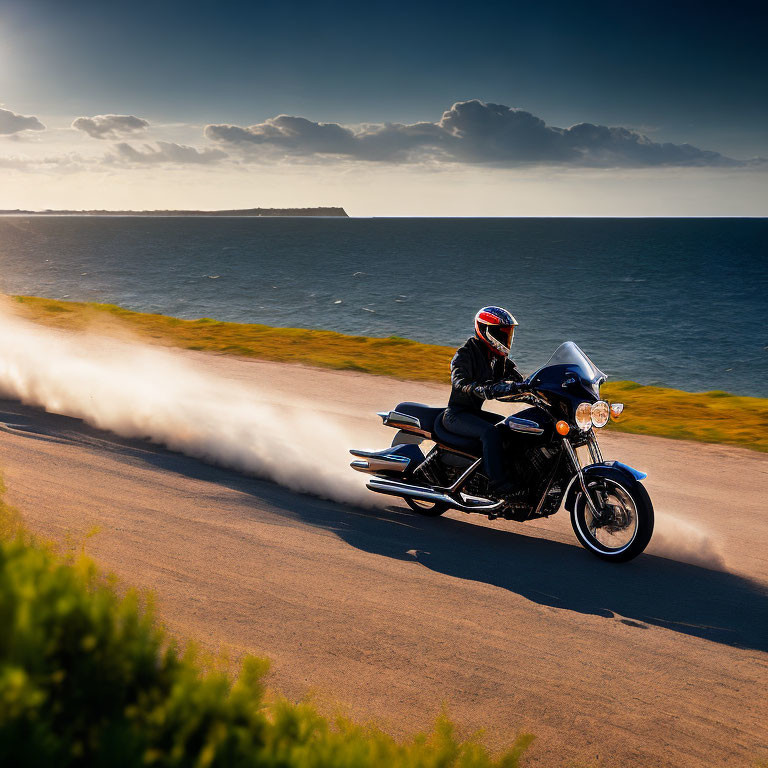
{"type": "Point", "coordinates": [675, 302]}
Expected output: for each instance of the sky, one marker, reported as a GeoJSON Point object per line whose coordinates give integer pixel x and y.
{"type": "Point", "coordinates": [419, 108]}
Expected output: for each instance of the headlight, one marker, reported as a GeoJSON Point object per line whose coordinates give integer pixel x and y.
{"type": "Point", "coordinates": [584, 417]}
{"type": "Point", "coordinates": [600, 413]}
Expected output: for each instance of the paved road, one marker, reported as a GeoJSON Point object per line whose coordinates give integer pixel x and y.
{"type": "Point", "coordinates": [656, 663]}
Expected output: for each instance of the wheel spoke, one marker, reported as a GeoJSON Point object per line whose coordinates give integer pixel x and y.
{"type": "Point", "coordinates": [619, 527]}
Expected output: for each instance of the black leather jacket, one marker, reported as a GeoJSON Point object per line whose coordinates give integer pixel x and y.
{"type": "Point", "coordinates": [472, 366]}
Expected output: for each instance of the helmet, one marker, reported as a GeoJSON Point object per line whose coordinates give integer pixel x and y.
{"type": "Point", "coordinates": [495, 327]}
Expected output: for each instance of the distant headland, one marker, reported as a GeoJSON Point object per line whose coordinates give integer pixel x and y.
{"type": "Point", "coordinates": [235, 212]}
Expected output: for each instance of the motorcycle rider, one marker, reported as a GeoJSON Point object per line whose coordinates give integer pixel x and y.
{"type": "Point", "coordinates": [481, 370]}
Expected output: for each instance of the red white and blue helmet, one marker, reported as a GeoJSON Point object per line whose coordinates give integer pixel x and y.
{"type": "Point", "coordinates": [495, 327]}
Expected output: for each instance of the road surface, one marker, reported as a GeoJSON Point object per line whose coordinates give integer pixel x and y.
{"type": "Point", "coordinates": [387, 615]}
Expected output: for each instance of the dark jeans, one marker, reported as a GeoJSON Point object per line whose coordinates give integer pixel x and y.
{"type": "Point", "coordinates": [482, 426]}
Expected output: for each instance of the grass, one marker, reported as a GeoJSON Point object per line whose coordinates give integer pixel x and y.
{"type": "Point", "coordinates": [392, 356]}
{"type": "Point", "coordinates": [711, 417]}
{"type": "Point", "coordinates": [89, 678]}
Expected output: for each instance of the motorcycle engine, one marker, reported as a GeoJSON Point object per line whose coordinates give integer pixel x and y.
{"type": "Point", "coordinates": [529, 470]}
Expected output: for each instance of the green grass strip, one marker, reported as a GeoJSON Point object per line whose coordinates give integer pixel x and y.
{"type": "Point", "coordinates": [712, 417]}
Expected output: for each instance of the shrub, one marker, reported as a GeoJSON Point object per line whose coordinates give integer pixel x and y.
{"type": "Point", "coordinates": [88, 678]}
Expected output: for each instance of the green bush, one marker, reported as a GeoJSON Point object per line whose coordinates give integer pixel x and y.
{"type": "Point", "coordinates": [88, 678]}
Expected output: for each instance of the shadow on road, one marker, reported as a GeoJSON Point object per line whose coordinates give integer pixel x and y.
{"type": "Point", "coordinates": [720, 607]}
{"type": "Point", "coordinates": [713, 605]}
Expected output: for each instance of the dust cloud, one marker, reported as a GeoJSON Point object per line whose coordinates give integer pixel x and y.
{"type": "Point", "coordinates": [688, 542]}
{"type": "Point", "coordinates": [139, 391]}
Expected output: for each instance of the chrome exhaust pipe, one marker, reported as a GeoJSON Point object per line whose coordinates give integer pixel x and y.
{"type": "Point", "coordinates": [396, 488]}
{"type": "Point", "coordinates": [373, 461]}
{"type": "Point", "coordinates": [403, 490]}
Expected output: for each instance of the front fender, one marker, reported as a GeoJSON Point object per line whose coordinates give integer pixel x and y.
{"type": "Point", "coordinates": [611, 469]}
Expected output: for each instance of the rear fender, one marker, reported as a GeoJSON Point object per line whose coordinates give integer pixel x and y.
{"type": "Point", "coordinates": [614, 470]}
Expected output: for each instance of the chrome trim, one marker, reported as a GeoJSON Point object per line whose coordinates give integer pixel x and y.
{"type": "Point", "coordinates": [403, 421]}
{"type": "Point", "coordinates": [592, 413]}
{"type": "Point", "coordinates": [567, 490]}
{"type": "Point", "coordinates": [516, 424]}
{"type": "Point", "coordinates": [594, 449]}
{"type": "Point", "coordinates": [464, 475]}
{"type": "Point", "coordinates": [376, 462]}
{"type": "Point", "coordinates": [378, 455]}
{"type": "Point", "coordinates": [404, 418]}
{"type": "Point", "coordinates": [403, 490]}
{"type": "Point", "coordinates": [579, 472]}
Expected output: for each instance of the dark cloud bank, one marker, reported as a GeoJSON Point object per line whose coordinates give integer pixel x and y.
{"type": "Point", "coordinates": [469, 132]}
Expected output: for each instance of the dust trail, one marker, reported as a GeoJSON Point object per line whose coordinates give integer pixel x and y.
{"type": "Point", "coordinates": [137, 390]}
{"type": "Point", "coordinates": [687, 542]}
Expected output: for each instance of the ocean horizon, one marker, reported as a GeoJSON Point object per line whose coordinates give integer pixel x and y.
{"type": "Point", "coordinates": [673, 301]}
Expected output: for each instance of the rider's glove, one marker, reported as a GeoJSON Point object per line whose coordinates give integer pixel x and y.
{"type": "Point", "coordinates": [498, 389]}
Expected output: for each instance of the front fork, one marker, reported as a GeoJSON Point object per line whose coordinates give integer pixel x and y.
{"type": "Point", "coordinates": [594, 449]}
{"type": "Point", "coordinates": [597, 458]}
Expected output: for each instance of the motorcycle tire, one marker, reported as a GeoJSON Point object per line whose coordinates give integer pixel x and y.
{"type": "Point", "coordinates": [625, 489]}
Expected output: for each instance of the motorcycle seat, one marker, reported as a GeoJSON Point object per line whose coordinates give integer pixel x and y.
{"type": "Point", "coordinates": [426, 415]}
{"type": "Point", "coordinates": [464, 444]}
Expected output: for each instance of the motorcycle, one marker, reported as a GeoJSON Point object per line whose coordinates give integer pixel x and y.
{"type": "Point", "coordinates": [611, 512]}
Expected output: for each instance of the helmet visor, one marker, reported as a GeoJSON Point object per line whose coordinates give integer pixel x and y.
{"type": "Point", "coordinates": [502, 333]}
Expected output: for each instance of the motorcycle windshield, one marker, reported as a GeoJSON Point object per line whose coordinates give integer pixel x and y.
{"type": "Point", "coordinates": [571, 355]}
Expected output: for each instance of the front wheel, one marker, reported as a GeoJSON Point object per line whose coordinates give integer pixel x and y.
{"type": "Point", "coordinates": [625, 525]}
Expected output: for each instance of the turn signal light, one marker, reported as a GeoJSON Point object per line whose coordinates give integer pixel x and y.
{"type": "Point", "coordinates": [562, 428]}
{"type": "Point", "coordinates": [616, 410]}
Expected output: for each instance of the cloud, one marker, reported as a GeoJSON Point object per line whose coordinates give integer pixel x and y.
{"type": "Point", "coordinates": [68, 163]}
{"type": "Point", "coordinates": [469, 132]}
{"type": "Point", "coordinates": [123, 155]}
{"type": "Point", "coordinates": [165, 152]}
{"type": "Point", "coordinates": [391, 142]}
{"type": "Point", "coordinates": [11, 123]}
{"type": "Point", "coordinates": [110, 126]}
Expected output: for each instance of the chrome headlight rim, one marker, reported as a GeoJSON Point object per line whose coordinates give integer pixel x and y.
{"type": "Point", "coordinates": [600, 413]}
{"type": "Point", "coordinates": [583, 416]}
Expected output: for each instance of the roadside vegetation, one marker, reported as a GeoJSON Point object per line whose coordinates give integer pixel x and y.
{"type": "Point", "coordinates": [89, 678]}
{"type": "Point", "coordinates": [712, 417]}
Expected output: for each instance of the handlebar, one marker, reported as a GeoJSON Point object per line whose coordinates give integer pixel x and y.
{"type": "Point", "coordinates": [527, 393]}
{"type": "Point", "coordinates": [520, 388]}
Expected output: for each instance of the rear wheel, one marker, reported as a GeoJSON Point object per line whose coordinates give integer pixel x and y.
{"type": "Point", "coordinates": [427, 508]}
{"type": "Point", "coordinates": [625, 525]}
